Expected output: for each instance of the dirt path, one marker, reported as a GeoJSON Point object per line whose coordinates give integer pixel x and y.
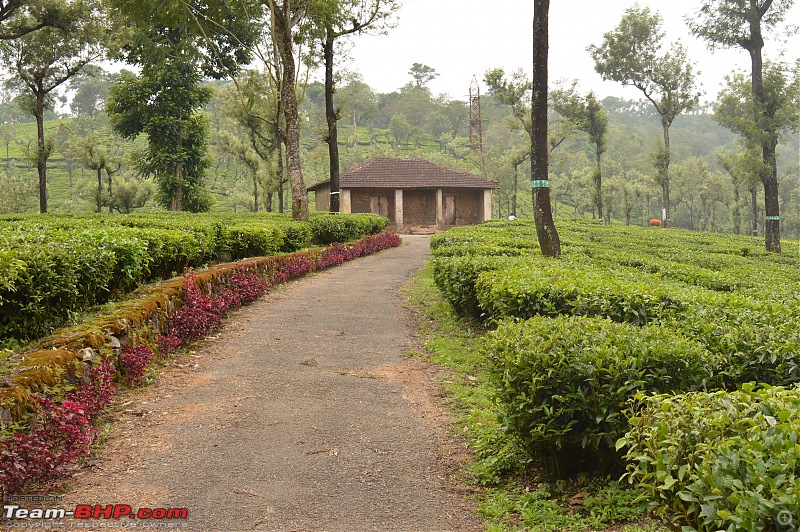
{"type": "Point", "coordinates": [302, 415]}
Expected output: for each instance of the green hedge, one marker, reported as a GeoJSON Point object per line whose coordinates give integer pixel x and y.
{"type": "Point", "coordinates": [719, 461]}
{"type": "Point", "coordinates": [341, 228]}
{"type": "Point", "coordinates": [550, 288]}
{"type": "Point", "coordinates": [456, 276]}
{"type": "Point", "coordinates": [52, 266]}
{"type": "Point", "coordinates": [564, 383]}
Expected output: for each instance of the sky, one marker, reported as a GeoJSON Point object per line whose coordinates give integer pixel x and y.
{"type": "Point", "coordinates": [465, 38]}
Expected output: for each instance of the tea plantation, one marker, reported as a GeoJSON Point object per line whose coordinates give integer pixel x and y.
{"type": "Point", "coordinates": [53, 266]}
{"type": "Point", "coordinates": [667, 356]}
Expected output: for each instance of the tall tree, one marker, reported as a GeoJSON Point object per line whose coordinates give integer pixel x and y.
{"type": "Point", "coordinates": [779, 115]}
{"type": "Point", "coordinates": [630, 55]}
{"type": "Point", "coordinates": [41, 61]}
{"type": "Point", "coordinates": [549, 241]}
{"type": "Point", "coordinates": [162, 102]}
{"type": "Point", "coordinates": [19, 18]}
{"type": "Point", "coordinates": [741, 24]}
{"type": "Point", "coordinates": [588, 115]}
{"type": "Point", "coordinates": [422, 74]}
{"type": "Point", "coordinates": [286, 22]}
{"type": "Point", "coordinates": [176, 42]}
{"type": "Point", "coordinates": [337, 19]}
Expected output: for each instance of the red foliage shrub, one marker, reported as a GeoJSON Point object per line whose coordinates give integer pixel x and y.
{"type": "Point", "coordinates": [199, 315]}
{"type": "Point", "coordinates": [247, 287]}
{"type": "Point", "coordinates": [134, 361]}
{"type": "Point", "coordinates": [60, 435]}
{"type": "Point", "coordinates": [297, 267]}
{"type": "Point", "coordinates": [168, 344]}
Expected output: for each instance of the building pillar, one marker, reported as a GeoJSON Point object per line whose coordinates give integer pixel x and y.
{"type": "Point", "coordinates": [487, 205]}
{"type": "Point", "coordinates": [345, 207]}
{"type": "Point", "coordinates": [439, 214]}
{"type": "Point", "coordinates": [398, 207]}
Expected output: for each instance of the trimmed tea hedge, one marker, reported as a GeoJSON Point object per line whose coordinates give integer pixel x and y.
{"type": "Point", "coordinates": [563, 384]}
{"type": "Point", "coordinates": [623, 311]}
{"type": "Point", "coordinates": [341, 228]}
{"type": "Point", "coordinates": [719, 461]}
{"type": "Point", "coordinates": [52, 266]}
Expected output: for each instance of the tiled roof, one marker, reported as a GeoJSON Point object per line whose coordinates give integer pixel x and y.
{"type": "Point", "coordinates": [407, 173]}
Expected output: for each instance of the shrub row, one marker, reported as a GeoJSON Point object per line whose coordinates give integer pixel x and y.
{"type": "Point", "coordinates": [719, 461]}
{"type": "Point", "coordinates": [338, 228]}
{"type": "Point", "coordinates": [623, 311]}
{"type": "Point", "coordinates": [57, 438]}
{"type": "Point", "coordinates": [54, 266]}
{"type": "Point", "coordinates": [563, 384]}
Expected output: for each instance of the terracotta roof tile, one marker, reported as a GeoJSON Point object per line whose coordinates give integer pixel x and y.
{"type": "Point", "coordinates": [407, 173]}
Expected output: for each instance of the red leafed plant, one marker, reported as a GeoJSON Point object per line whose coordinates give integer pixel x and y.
{"type": "Point", "coordinates": [199, 315]}
{"type": "Point", "coordinates": [60, 435]}
{"type": "Point", "coordinates": [247, 287]}
{"type": "Point", "coordinates": [134, 362]}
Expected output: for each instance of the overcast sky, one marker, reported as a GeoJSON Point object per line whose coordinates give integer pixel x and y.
{"type": "Point", "coordinates": [462, 38]}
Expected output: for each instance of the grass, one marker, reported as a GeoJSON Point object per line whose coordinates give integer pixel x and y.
{"type": "Point", "coordinates": [511, 495]}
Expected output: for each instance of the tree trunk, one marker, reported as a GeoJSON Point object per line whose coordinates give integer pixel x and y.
{"type": "Point", "coordinates": [331, 118]}
{"type": "Point", "coordinates": [177, 195]}
{"type": "Point", "coordinates": [754, 202]}
{"type": "Point", "coordinates": [665, 184]}
{"type": "Point", "coordinates": [41, 155]}
{"type": "Point", "coordinates": [99, 189]}
{"type": "Point", "coordinates": [598, 183]}
{"type": "Point", "coordinates": [110, 193]}
{"type": "Point", "coordinates": [542, 210]}
{"type": "Point", "coordinates": [772, 224]}
{"type": "Point", "coordinates": [283, 39]}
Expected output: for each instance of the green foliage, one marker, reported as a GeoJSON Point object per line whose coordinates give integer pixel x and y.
{"type": "Point", "coordinates": [53, 267]}
{"type": "Point", "coordinates": [624, 311]}
{"type": "Point", "coordinates": [563, 384]}
{"type": "Point", "coordinates": [508, 500]}
{"type": "Point", "coordinates": [456, 277]}
{"type": "Point", "coordinates": [720, 461]}
{"type": "Point", "coordinates": [341, 228]}
{"type": "Point", "coordinates": [163, 103]}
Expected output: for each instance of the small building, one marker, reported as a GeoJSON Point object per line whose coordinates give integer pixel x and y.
{"type": "Point", "coordinates": [413, 193]}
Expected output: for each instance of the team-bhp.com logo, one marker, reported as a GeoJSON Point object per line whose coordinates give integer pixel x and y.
{"type": "Point", "coordinates": [96, 511]}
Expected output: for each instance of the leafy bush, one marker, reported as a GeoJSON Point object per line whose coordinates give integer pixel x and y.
{"type": "Point", "coordinates": [563, 384]}
{"type": "Point", "coordinates": [60, 436]}
{"type": "Point", "coordinates": [247, 287]}
{"type": "Point", "coordinates": [135, 360]}
{"type": "Point", "coordinates": [456, 278]}
{"type": "Point", "coordinates": [199, 315]}
{"type": "Point", "coordinates": [254, 240]}
{"type": "Point", "coordinates": [719, 461]}
{"type": "Point", "coordinates": [342, 228]}
{"type": "Point", "coordinates": [54, 266]}
{"type": "Point", "coordinates": [552, 288]}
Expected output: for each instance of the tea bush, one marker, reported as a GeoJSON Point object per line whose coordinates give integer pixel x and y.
{"type": "Point", "coordinates": [52, 266]}
{"type": "Point", "coordinates": [719, 461]}
{"type": "Point", "coordinates": [563, 384]}
{"type": "Point", "coordinates": [341, 228]}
